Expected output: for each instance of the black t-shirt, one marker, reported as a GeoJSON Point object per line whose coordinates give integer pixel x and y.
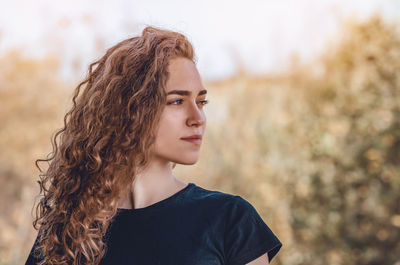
{"type": "Point", "coordinates": [195, 226]}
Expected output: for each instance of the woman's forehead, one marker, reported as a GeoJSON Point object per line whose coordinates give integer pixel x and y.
{"type": "Point", "coordinates": [182, 73]}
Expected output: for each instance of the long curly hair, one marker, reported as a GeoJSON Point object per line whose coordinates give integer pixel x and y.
{"type": "Point", "coordinates": [108, 135]}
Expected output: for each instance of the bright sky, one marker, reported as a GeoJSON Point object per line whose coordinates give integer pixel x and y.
{"type": "Point", "coordinates": [261, 34]}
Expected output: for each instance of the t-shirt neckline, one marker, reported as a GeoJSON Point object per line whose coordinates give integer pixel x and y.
{"type": "Point", "coordinates": [158, 204]}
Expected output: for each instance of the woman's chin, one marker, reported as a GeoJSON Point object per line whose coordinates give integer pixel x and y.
{"type": "Point", "coordinates": [186, 161]}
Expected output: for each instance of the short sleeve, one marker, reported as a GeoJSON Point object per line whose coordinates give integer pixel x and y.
{"type": "Point", "coordinates": [247, 236]}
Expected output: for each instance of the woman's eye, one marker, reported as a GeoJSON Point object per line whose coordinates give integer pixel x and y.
{"type": "Point", "coordinates": [202, 102]}
{"type": "Point", "coordinates": [175, 101]}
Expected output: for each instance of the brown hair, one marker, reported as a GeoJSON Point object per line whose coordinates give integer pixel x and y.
{"type": "Point", "coordinates": [108, 134]}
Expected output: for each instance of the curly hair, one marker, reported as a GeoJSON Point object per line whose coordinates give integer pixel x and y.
{"type": "Point", "coordinates": [107, 136]}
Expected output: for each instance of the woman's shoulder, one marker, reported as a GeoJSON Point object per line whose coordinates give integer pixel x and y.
{"type": "Point", "coordinates": [221, 200]}
{"type": "Point", "coordinates": [212, 195]}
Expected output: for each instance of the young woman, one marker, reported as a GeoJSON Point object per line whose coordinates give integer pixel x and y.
{"type": "Point", "coordinates": [109, 195]}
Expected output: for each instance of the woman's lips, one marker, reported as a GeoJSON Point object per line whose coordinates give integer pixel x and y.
{"type": "Point", "coordinates": [193, 140]}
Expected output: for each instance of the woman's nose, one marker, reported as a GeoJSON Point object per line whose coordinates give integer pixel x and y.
{"type": "Point", "coordinates": [198, 122]}
{"type": "Point", "coordinates": [196, 116]}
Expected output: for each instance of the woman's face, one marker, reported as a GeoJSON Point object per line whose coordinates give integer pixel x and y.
{"type": "Point", "coordinates": [183, 115]}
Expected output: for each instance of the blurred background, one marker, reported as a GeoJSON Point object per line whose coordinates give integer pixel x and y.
{"type": "Point", "coordinates": [303, 119]}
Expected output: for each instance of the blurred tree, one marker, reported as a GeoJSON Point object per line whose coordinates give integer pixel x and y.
{"type": "Point", "coordinates": [32, 101]}
{"type": "Point", "coordinates": [317, 150]}
{"type": "Point", "coordinates": [350, 125]}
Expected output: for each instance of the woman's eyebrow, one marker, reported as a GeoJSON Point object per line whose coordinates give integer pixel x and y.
{"type": "Point", "coordinates": [186, 92]}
